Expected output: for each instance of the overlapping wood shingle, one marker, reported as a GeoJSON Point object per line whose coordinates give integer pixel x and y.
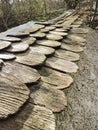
{"type": "Point", "coordinates": [36, 60]}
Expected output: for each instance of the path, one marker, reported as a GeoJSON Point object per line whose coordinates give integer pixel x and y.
{"type": "Point", "coordinates": [82, 110]}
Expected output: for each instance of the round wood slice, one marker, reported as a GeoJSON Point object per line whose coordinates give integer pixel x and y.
{"type": "Point", "coordinates": [54, 37]}
{"type": "Point", "coordinates": [67, 55]}
{"type": "Point", "coordinates": [29, 40]}
{"type": "Point", "coordinates": [40, 118]}
{"type": "Point", "coordinates": [57, 79]}
{"type": "Point", "coordinates": [79, 30]}
{"type": "Point", "coordinates": [42, 49]}
{"type": "Point", "coordinates": [50, 43]}
{"type": "Point", "coordinates": [18, 47]}
{"type": "Point", "coordinates": [60, 30]}
{"type": "Point", "coordinates": [4, 44]}
{"type": "Point", "coordinates": [44, 30]}
{"type": "Point", "coordinates": [11, 39]}
{"type": "Point", "coordinates": [49, 97]}
{"type": "Point", "coordinates": [7, 56]}
{"type": "Point", "coordinates": [74, 48]}
{"type": "Point", "coordinates": [59, 33]}
{"type": "Point", "coordinates": [31, 117]}
{"type": "Point", "coordinates": [75, 38]}
{"type": "Point", "coordinates": [30, 59]}
{"type": "Point", "coordinates": [50, 28]}
{"type": "Point", "coordinates": [34, 29]}
{"type": "Point", "coordinates": [61, 65]}
{"type": "Point", "coordinates": [24, 73]}
{"type": "Point", "coordinates": [13, 94]}
{"type": "Point", "coordinates": [19, 34]}
{"type": "Point", "coordinates": [74, 42]}
{"type": "Point", "coordinates": [38, 35]}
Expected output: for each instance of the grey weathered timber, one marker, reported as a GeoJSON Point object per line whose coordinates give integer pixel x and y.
{"type": "Point", "coordinates": [19, 34]}
{"type": "Point", "coordinates": [61, 65]}
{"type": "Point", "coordinates": [49, 43]}
{"type": "Point", "coordinates": [50, 28]}
{"type": "Point", "coordinates": [34, 28]}
{"type": "Point", "coordinates": [38, 35]}
{"type": "Point", "coordinates": [54, 37]}
{"type": "Point", "coordinates": [49, 97]}
{"type": "Point", "coordinates": [57, 79]}
{"type": "Point", "coordinates": [4, 44]}
{"type": "Point", "coordinates": [24, 73]}
{"type": "Point", "coordinates": [18, 47]}
{"type": "Point", "coordinates": [67, 55]}
{"type": "Point", "coordinates": [75, 38]}
{"type": "Point", "coordinates": [10, 39]}
{"type": "Point", "coordinates": [7, 56]}
{"type": "Point", "coordinates": [42, 50]}
{"type": "Point", "coordinates": [59, 33]}
{"type": "Point", "coordinates": [31, 117]}
{"type": "Point", "coordinates": [29, 40]}
{"type": "Point", "coordinates": [30, 58]}
{"type": "Point", "coordinates": [74, 48]}
{"type": "Point", "coordinates": [13, 94]}
{"type": "Point", "coordinates": [79, 31]}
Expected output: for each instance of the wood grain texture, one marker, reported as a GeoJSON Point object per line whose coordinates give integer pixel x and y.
{"type": "Point", "coordinates": [57, 79]}
{"type": "Point", "coordinates": [49, 97]}
{"type": "Point", "coordinates": [61, 65]}
{"type": "Point", "coordinates": [13, 94]}
{"type": "Point", "coordinates": [24, 73]}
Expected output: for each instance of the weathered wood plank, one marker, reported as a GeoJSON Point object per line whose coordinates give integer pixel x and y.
{"type": "Point", "coordinates": [58, 25]}
{"type": "Point", "coordinates": [60, 30]}
{"type": "Point", "coordinates": [57, 79]}
{"type": "Point", "coordinates": [10, 39]}
{"type": "Point", "coordinates": [75, 38]}
{"type": "Point", "coordinates": [44, 30]}
{"type": "Point", "coordinates": [24, 73]}
{"type": "Point", "coordinates": [74, 48]}
{"type": "Point", "coordinates": [31, 117]}
{"type": "Point", "coordinates": [61, 65]}
{"type": "Point", "coordinates": [74, 42]}
{"type": "Point", "coordinates": [19, 34]}
{"type": "Point", "coordinates": [79, 30]}
{"type": "Point", "coordinates": [34, 29]}
{"type": "Point", "coordinates": [42, 50]}
{"type": "Point", "coordinates": [50, 28]}
{"type": "Point", "coordinates": [59, 33]}
{"type": "Point", "coordinates": [4, 44]}
{"type": "Point", "coordinates": [54, 37]}
{"type": "Point", "coordinates": [7, 56]}
{"type": "Point", "coordinates": [67, 55]}
{"type": "Point", "coordinates": [13, 94]}
{"type": "Point", "coordinates": [18, 47]}
{"type": "Point", "coordinates": [29, 40]}
{"type": "Point", "coordinates": [38, 35]}
{"type": "Point", "coordinates": [49, 43]}
{"type": "Point", "coordinates": [30, 58]}
{"type": "Point", "coordinates": [49, 97]}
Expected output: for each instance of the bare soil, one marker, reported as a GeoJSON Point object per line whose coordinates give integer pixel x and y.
{"type": "Point", "coordinates": [82, 110]}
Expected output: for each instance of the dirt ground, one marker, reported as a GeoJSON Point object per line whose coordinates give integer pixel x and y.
{"type": "Point", "coordinates": [82, 110]}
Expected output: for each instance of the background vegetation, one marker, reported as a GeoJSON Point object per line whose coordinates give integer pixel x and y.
{"type": "Point", "coordinates": [15, 12]}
